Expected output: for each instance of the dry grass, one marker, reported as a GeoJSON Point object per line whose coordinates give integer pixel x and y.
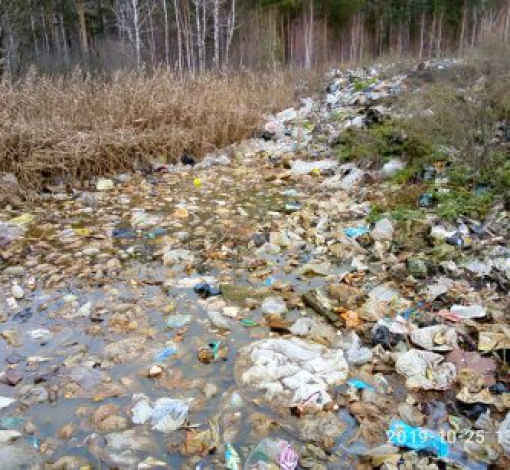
{"type": "Point", "coordinates": [79, 126]}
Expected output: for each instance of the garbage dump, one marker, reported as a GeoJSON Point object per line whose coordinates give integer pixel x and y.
{"type": "Point", "coordinates": [249, 311]}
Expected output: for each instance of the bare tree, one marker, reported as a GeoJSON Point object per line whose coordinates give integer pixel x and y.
{"type": "Point", "coordinates": [231, 26]}
{"type": "Point", "coordinates": [132, 15]}
{"type": "Point", "coordinates": [216, 20]}
{"type": "Point", "coordinates": [200, 7]}
{"type": "Point", "coordinates": [167, 35]}
{"type": "Point", "coordinates": [80, 8]}
{"type": "Point", "coordinates": [179, 36]}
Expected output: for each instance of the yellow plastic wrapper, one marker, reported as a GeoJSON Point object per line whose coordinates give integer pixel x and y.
{"type": "Point", "coordinates": [24, 219]}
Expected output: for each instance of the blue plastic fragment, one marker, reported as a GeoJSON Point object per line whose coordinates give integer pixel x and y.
{"type": "Point", "coordinates": [353, 232]}
{"type": "Point", "coordinates": [411, 310]}
{"type": "Point", "coordinates": [403, 435]}
{"type": "Point", "coordinates": [165, 354]}
{"type": "Point", "coordinates": [359, 384]}
{"type": "Point", "coordinates": [34, 442]}
{"type": "Point", "coordinates": [123, 232]}
{"type": "Point", "coordinates": [269, 281]}
{"type": "Point", "coordinates": [11, 423]}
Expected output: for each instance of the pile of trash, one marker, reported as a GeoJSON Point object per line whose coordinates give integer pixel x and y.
{"type": "Point", "coordinates": [246, 312]}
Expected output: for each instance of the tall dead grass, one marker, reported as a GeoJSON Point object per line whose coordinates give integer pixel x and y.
{"type": "Point", "coordinates": [79, 126]}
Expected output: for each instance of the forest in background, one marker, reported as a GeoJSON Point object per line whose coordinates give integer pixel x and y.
{"type": "Point", "coordinates": [56, 36]}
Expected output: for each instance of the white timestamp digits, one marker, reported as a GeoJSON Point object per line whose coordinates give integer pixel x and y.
{"type": "Point", "coordinates": [469, 435]}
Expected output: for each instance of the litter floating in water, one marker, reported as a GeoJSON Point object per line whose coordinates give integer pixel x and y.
{"type": "Point", "coordinates": [165, 354]}
{"type": "Point", "coordinates": [206, 290]}
{"type": "Point", "coordinates": [232, 460]}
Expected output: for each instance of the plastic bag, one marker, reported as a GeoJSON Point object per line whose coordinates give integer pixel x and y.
{"type": "Point", "coordinates": [232, 460]}
{"type": "Point", "coordinates": [300, 167]}
{"type": "Point", "coordinates": [403, 435]}
{"type": "Point", "coordinates": [277, 452]}
{"type": "Point", "coordinates": [165, 415]}
{"type": "Point", "coordinates": [353, 232]}
{"type": "Point", "coordinates": [274, 306]}
{"type": "Point", "coordinates": [425, 369]}
{"type": "Point", "coordinates": [435, 338]}
{"type": "Point", "coordinates": [472, 311]}
{"type": "Point", "coordinates": [5, 402]}
{"type": "Point", "coordinates": [291, 371]}
{"type": "Point", "coordinates": [178, 321]}
{"type": "Point", "coordinates": [383, 230]}
{"type": "Point", "coordinates": [218, 320]}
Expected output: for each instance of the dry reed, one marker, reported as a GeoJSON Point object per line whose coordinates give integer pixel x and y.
{"type": "Point", "coordinates": [79, 126]}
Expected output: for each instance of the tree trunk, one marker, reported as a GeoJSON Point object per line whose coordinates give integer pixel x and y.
{"type": "Point", "coordinates": [136, 30]}
{"type": "Point", "coordinates": [231, 29]}
{"type": "Point", "coordinates": [199, 36]}
{"type": "Point", "coordinates": [361, 38]}
{"type": "Point", "coordinates": [433, 31]}
{"type": "Point", "coordinates": [165, 22]}
{"type": "Point", "coordinates": [189, 41]}
{"type": "Point", "coordinates": [507, 23]}
{"type": "Point", "coordinates": [422, 34]}
{"type": "Point", "coordinates": [179, 36]}
{"type": "Point", "coordinates": [475, 24]}
{"type": "Point", "coordinates": [463, 27]}
{"type": "Point", "coordinates": [56, 36]}
{"type": "Point", "coordinates": [45, 31]}
{"type": "Point", "coordinates": [309, 35]}
{"type": "Point", "coordinates": [439, 35]}
{"type": "Point", "coordinates": [64, 38]}
{"type": "Point", "coordinates": [34, 36]}
{"type": "Point", "coordinates": [84, 40]}
{"type": "Point", "coordinates": [216, 19]}
{"type": "Point", "coordinates": [152, 40]}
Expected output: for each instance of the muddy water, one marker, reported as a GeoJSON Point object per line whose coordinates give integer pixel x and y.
{"type": "Point", "coordinates": [220, 218]}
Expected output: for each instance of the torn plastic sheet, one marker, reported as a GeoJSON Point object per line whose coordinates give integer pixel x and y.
{"type": "Point", "coordinates": [403, 435]}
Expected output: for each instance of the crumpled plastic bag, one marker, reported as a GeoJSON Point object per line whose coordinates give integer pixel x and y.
{"type": "Point", "coordinates": [300, 167]}
{"type": "Point", "coordinates": [5, 402]}
{"type": "Point", "coordinates": [165, 415]}
{"type": "Point", "coordinates": [218, 320]}
{"type": "Point", "coordinates": [436, 338]}
{"type": "Point", "coordinates": [504, 433]}
{"type": "Point", "coordinates": [472, 311]}
{"type": "Point", "coordinates": [272, 453]}
{"type": "Point", "coordinates": [176, 256]}
{"type": "Point", "coordinates": [390, 168]}
{"type": "Point", "coordinates": [142, 220]}
{"type": "Point", "coordinates": [403, 435]}
{"type": "Point", "coordinates": [274, 306]}
{"type": "Point", "coordinates": [9, 233]}
{"type": "Point", "coordinates": [313, 329]}
{"type": "Point", "coordinates": [355, 354]}
{"type": "Point", "coordinates": [383, 230]}
{"type": "Point", "coordinates": [442, 286]}
{"type": "Point", "coordinates": [178, 321]}
{"type": "Point", "coordinates": [292, 371]}
{"type": "Point", "coordinates": [493, 337]}
{"type": "Point", "coordinates": [426, 370]}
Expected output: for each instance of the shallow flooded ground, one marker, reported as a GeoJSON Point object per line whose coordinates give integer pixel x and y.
{"type": "Point", "coordinates": [251, 315]}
